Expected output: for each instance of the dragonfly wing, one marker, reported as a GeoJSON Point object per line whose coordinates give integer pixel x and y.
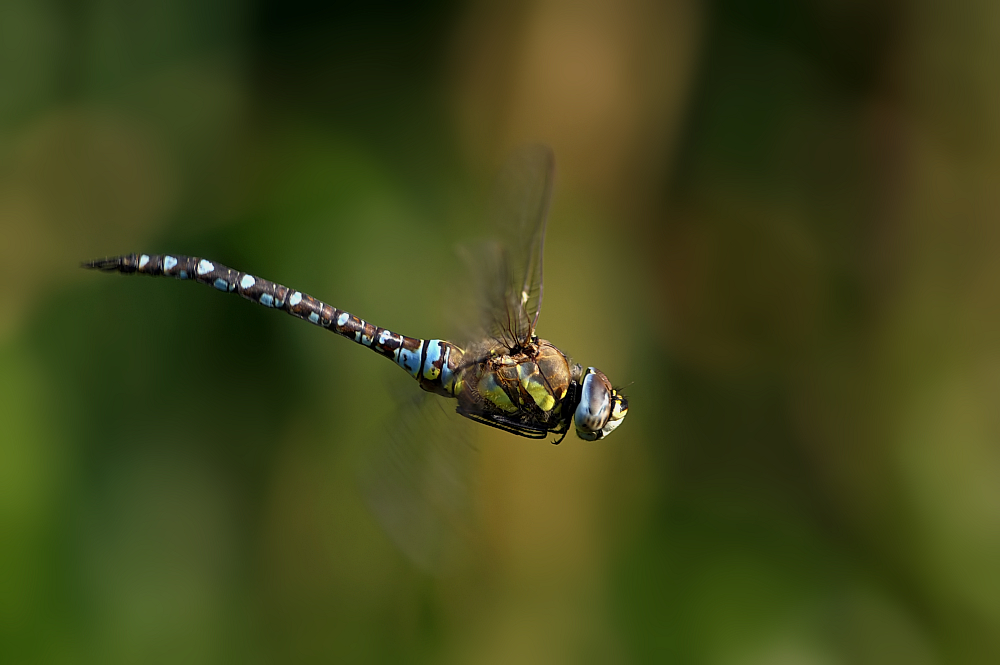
{"type": "Point", "coordinates": [511, 268]}
{"type": "Point", "coordinates": [418, 481]}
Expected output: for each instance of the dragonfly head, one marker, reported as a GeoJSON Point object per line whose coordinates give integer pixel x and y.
{"type": "Point", "coordinates": [601, 408]}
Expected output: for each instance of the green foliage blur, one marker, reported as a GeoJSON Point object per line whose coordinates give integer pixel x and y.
{"type": "Point", "coordinates": [775, 223]}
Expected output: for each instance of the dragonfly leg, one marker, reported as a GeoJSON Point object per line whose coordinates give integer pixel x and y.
{"type": "Point", "coordinates": [502, 423]}
{"type": "Point", "coordinates": [562, 432]}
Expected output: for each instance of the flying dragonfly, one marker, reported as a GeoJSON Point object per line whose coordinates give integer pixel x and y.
{"type": "Point", "coordinates": [505, 376]}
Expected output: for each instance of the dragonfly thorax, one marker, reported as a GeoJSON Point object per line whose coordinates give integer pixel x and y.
{"type": "Point", "coordinates": [534, 378]}
{"type": "Point", "coordinates": [535, 390]}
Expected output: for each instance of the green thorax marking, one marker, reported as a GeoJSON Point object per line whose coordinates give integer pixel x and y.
{"type": "Point", "coordinates": [536, 379]}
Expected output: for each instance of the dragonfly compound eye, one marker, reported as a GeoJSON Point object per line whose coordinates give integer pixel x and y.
{"type": "Point", "coordinates": [601, 408]}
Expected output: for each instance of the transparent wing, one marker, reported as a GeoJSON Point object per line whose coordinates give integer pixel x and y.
{"type": "Point", "coordinates": [417, 478]}
{"type": "Point", "coordinates": [508, 270]}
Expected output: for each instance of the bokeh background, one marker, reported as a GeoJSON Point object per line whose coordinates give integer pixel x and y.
{"type": "Point", "coordinates": [776, 222]}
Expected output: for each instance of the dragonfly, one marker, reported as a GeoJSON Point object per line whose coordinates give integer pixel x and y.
{"type": "Point", "coordinates": [506, 377]}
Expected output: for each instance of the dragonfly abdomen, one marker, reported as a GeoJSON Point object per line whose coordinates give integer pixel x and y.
{"type": "Point", "coordinates": [431, 362]}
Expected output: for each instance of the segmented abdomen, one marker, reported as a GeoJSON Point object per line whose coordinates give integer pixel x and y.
{"type": "Point", "coordinates": [433, 363]}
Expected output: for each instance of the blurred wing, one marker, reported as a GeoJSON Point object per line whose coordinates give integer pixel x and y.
{"type": "Point", "coordinates": [417, 478]}
{"type": "Point", "coordinates": [418, 481]}
{"type": "Point", "coordinates": [510, 269]}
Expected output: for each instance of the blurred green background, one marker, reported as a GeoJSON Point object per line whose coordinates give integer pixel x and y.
{"type": "Point", "coordinates": [776, 221]}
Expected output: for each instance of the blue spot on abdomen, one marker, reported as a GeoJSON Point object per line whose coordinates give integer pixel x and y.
{"type": "Point", "coordinates": [410, 360]}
